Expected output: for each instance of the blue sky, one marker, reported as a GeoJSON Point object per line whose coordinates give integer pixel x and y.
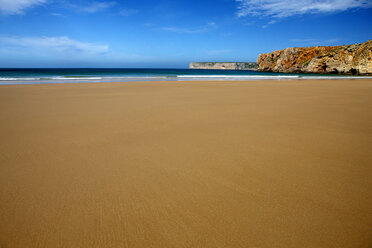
{"type": "Point", "coordinates": [170, 33]}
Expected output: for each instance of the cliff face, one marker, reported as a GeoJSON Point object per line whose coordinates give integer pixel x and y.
{"type": "Point", "coordinates": [351, 59]}
{"type": "Point", "coordinates": [224, 65]}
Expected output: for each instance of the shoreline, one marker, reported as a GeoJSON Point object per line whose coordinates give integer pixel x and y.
{"type": "Point", "coordinates": [184, 79]}
{"type": "Point", "coordinates": [96, 75]}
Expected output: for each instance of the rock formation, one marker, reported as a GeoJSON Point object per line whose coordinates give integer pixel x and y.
{"type": "Point", "coordinates": [350, 59]}
{"type": "Point", "coordinates": [224, 65]}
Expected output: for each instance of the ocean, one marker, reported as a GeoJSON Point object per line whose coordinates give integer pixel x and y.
{"type": "Point", "coordinates": [86, 75]}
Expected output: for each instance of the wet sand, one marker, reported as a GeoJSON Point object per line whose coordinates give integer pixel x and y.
{"type": "Point", "coordinates": [187, 164]}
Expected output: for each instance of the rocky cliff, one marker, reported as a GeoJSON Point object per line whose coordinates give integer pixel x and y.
{"type": "Point", "coordinates": [224, 65]}
{"type": "Point", "coordinates": [350, 59]}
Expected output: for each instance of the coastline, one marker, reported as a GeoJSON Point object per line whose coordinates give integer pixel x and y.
{"type": "Point", "coordinates": [275, 163]}
{"type": "Point", "coordinates": [97, 75]}
{"type": "Point", "coordinates": [181, 78]}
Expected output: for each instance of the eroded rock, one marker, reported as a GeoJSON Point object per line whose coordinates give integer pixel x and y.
{"type": "Point", "coordinates": [350, 59]}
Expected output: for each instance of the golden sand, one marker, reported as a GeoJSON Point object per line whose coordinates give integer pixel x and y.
{"type": "Point", "coordinates": [187, 164]}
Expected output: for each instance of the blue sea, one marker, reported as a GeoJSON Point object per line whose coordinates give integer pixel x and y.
{"type": "Point", "coordinates": [81, 75]}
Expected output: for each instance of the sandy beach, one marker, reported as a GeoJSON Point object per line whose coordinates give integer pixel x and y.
{"type": "Point", "coordinates": [187, 164]}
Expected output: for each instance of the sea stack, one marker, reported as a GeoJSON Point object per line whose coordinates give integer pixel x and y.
{"type": "Point", "coordinates": [348, 59]}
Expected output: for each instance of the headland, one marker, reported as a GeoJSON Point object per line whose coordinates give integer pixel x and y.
{"type": "Point", "coordinates": [355, 59]}
{"type": "Point", "coordinates": [250, 66]}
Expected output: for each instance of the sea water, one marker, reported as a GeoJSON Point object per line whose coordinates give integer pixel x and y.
{"type": "Point", "coordinates": [86, 75]}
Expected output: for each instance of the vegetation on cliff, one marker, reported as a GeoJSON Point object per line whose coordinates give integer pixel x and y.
{"type": "Point", "coordinates": [349, 59]}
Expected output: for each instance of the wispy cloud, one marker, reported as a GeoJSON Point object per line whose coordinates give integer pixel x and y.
{"type": "Point", "coordinates": [16, 7]}
{"type": "Point", "coordinates": [286, 8]}
{"type": "Point", "coordinates": [206, 28]}
{"type": "Point", "coordinates": [269, 23]}
{"type": "Point", "coordinates": [96, 7]}
{"type": "Point", "coordinates": [302, 40]}
{"type": "Point", "coordinates": [250, 23]}
{"type": "Point", "coordinates": [52, 51]}
{"type": "Point", "coordinates": [315, 42]}
{"type": "Point", "coordinates": [57, 14]}
{"type": "Point", "coordinates": [61, 44]}
{"type": "Point", "coordinates": [149, 24]}
{"type": "Point", "coordinates": [128, 12]}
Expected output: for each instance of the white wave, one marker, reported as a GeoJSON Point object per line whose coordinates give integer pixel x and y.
{"type": "Point", "coordinates": [238, 76]}
{"type": "Point", "coordinates": [75, 78]}
{"type": "Point", "coordinates": [260, 77]}
{"type": "Point", "coordinates": [139, 77]}
{"type": "Point", "coordinates": [335, 77]}
{"type": "Point", "coordinates": [17, 79]}
{"type": "Point", "coordinates": [64, 78]}
{"type": "Point", "coordinates": [72, 79]}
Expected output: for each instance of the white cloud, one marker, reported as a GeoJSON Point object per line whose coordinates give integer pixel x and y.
{"type": "Point", "coordinates": [269, 23]}
{"type": "Point", "coordinates": [286, 8]}
{"type": "Point", "coordinates": [302, 40]}
{"type": "Point", "coordinates": [97, 7]}
{"type": "Point", "coordinates": [57, 14]}
{"type": "Point", "coordinates": [14, 7]}
{"type": "Point", "coordinates": [128, 12]}
{"type": "Point", "coordinates": [61, 44]}
{"type": "Point", "coordinates": [210, 26]}
{"type": "Point", "coordinates": [315, 42]}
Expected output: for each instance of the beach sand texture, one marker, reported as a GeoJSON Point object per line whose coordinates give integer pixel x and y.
{"type": "Point", "coordinates": [187, 164]}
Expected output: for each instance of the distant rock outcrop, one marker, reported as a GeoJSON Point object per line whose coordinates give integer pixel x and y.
{"type": "Point", "coordinates": [224, 65]}
{"type": "Point", "coordinates": [350, 59]}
